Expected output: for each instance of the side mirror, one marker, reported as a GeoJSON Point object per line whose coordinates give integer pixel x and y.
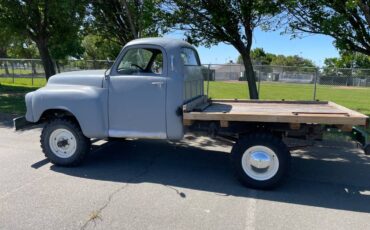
{"type": "Point", "coordinates": [106, 74]}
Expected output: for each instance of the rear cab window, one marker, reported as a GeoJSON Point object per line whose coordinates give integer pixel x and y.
{"type": "Point", "coordinates": [189, 57]}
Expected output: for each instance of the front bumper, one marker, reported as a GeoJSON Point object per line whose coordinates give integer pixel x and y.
{"type": "Point", "coordinates": [21, 123]}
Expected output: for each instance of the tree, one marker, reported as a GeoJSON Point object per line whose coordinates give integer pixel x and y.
{"type": "Point", "coordinates": [52, 25]}
{"type": "Point", "coordinates": [23, 48]}
{"type": "Point", "coordinates": [294, 60]}
{"type": "Point", "coordinates": [13, 45]}
{"type": "Point", "coordinates": [348, 60]}
{"type": "Point", "coordinates": [98, 48]}
{"type": "Point", "coordinates": [4, 43]}
{"type": "Point", "coordinates": [260, 57]}
{"type": "Point", "coordinates": [228, 21]}
{"type": "Point", "coordinates": [122, 21]}
{"type": "Point", "coordinates": [4, 46]}
{"type": "Point", "coordinates": [347, 21]}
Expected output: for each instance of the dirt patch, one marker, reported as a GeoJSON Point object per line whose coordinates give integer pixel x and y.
{"type": "Point", "coordinates": [351, 87]}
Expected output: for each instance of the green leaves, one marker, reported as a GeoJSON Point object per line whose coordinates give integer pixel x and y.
{"type": "Point", "coordinates": [348, 60]}
{"type": "Point", "coordinates": [260, 57]}
{"type": "Point", "coordinates": [347, 21]}
{"type": "Point", "coordinates": [99, 48]}
{"type": "Point", "coordinates": [54, 26]}
{"type": "Point", "coordinates": [123, 20]}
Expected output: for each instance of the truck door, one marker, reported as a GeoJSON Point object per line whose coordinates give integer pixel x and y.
{"type": "Point", "coordinates": [137, 93]}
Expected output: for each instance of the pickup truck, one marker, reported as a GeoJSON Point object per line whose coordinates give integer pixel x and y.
{"type": "Point", "coordinates": [155, 90]}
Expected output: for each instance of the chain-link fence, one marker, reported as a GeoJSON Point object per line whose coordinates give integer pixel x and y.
{"type": "Point", "coordinates": [226, 81]}
{"type": "Point", "coordinates": [284, 82]}
{"type": "Point", "coordinates": [31, 71]}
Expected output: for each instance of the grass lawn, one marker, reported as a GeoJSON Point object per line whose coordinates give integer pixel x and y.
{"type": "Point", "coordinates": [12, 98]}
{"type": "Point", "coordinates": [23, 81]}
{"type": "Point", "coordinates": [12, 95]}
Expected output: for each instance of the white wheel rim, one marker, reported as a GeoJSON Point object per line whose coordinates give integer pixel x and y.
{"type": "Point", "coordinates": [63, 143]}
{"type": "Point", "coordinates": [260, 163]}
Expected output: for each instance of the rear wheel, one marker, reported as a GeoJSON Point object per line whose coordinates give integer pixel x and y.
{"type": "Point", "coordinates": [260, 160]}
{"type": "Point", "coordinates": [63, 142]}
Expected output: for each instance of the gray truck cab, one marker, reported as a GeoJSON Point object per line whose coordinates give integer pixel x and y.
{"type": "Point", "coordinates": [148, 84]}
{"type": "Point", "coordinates": [141, 96]}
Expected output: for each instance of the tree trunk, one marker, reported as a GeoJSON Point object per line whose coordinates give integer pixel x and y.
{"type": "Point", "coordinates": [130, 19]}
{"type": "Point", "coordinates": [249, 73]}
{"type": "Point", "coordinates": [33, 64]}
{"type": "Point", "coordinates": [46, 59]}
{"type": "Point", "coordinates": [3, 54]}
{"type": "Point", "coordinates": [58, 66]}
{"type": "Point", "coordinates": [6, 68]}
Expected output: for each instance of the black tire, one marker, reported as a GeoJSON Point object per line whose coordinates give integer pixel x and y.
{"type": "Point", "coordinates": [82, 143]}
{"type": "Point", "coordinates": [266, 140]}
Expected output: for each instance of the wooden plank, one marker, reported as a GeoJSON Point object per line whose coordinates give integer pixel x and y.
{"type": "Point", "coordinates": [320, 113]}
{"type": "Point", "coordinates": [270, 101]}
{"type": "Point", "coordinates": [272, 118]}
{"type": "Point", "coordinates": [351, 112]}
{"type": "Point", "coordinates": [187, 122]}
{"type": "Point", "coordinates": [294, 112]}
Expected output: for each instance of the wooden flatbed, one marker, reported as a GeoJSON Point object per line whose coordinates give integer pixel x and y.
{"type": "Point", "coordinates": [293, 112]}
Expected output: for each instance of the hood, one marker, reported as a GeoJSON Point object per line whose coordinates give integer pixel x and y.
{"type": "Point", "coordinates": [85, 78]}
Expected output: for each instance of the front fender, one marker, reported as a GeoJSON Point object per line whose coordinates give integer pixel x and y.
{"type": "Point", "coordinates": [88, 104]}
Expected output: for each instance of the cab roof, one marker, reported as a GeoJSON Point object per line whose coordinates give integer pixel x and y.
{"type": "Point", "coordinates": [163, 42]}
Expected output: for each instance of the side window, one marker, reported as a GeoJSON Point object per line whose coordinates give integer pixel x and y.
{"type": "Point", "coordinates": [189, 57]}
{"type": "Point", "coordinates": [141, 61]}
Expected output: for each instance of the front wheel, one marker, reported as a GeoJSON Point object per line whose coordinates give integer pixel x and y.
{"type": "Point", "coordinates": [260, 160]}
{"type": "Point", "coordinates": [63, 142]}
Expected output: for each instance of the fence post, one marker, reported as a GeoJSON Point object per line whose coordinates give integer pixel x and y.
{"type": "Point", "coordinates": [259, 84]}
{"type": "Point", "coordinates": [32, 75]}
{"type": "Point", "coordinates": [209, 72]}
{"type": "Point", "coordinates": [315, 84]}
{"type": "Point", "coordinates": [13, 70]}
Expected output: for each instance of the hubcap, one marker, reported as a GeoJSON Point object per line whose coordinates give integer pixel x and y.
{"type": "Point", "coordinates": [63, 143]}
{"type": "Point", "coordinates": [260, 162]}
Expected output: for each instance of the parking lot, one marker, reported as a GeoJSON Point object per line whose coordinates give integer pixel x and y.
{"type": "Point", "coordinates": [139, 184]}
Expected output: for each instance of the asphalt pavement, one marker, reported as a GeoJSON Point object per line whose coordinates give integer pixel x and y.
{"type": "Point", "coordinates": [139, 184]}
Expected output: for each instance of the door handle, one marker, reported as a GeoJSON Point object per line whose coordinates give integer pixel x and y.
{"type": "Point", "coordinates": [158, 83]}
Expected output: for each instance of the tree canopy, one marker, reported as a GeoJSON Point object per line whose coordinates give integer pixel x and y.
{"type": "Point", "coordinates": [99, 48]}
{"type": "Point", "coordinates": [348, 60]}
{"type": "Point", "coordinates": [260, 57]}
{"type": "Point", "coordinates": [53, 25]}
{"type": "Point", "coordinates": [122, 20]}
{"type": "Point", "coordinates": [347, 21]}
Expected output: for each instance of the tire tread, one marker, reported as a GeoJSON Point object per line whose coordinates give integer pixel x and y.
{"type": "Point", "coordinates": [83, 142]}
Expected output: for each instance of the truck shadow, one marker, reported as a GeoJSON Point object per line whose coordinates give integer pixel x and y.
{"type": "Point", "coordinates": [322, 176]}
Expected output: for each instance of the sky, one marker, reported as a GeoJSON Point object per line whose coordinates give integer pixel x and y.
{"type": "Point", "coordinates": [313, 47]}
